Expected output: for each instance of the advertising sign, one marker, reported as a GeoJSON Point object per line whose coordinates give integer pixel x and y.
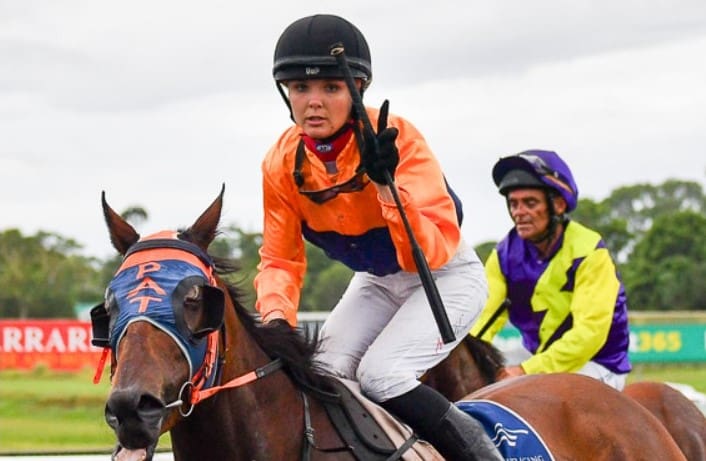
{"type": "Point", "coordinates": [57, 344]}
{"type": "Point", "coordinates": [676, 342]}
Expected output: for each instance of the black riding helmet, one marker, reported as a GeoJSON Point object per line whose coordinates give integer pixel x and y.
{"type": "Point", "coordinates": [303, 51]}
{"type": "Point", "coordinates": [515, 179]}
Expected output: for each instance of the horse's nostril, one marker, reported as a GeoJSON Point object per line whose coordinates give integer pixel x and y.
{"type": "Point", "coordinates": [149, 402]}
{"type": "Point", "coordinates": [126, 406]}
{"type": "Point", "coordinates": [110, 418]}
{"type": "Point", "coordinates": [150, 409]}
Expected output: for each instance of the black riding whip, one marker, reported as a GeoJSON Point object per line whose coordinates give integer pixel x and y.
{"type": "Point", "coordinates": [503, 305]}
{"type": "Point", "coordinates": [337, 50]}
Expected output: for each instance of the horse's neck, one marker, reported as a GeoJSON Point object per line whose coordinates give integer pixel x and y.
{"type": "Point", "coordinates": [261, 420]}
{"type": "Point", "coordinates": [240, 423]}
{"type": "Point", "coordinates": [241, 352]}
{"type": "Point", "coordinates": [458, 374]}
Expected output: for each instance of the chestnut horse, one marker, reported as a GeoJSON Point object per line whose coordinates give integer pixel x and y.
{"type": "Point", "coordinates": [189, 359]}
{"type": "Point", "coordinates": [680, 416]}
{"type": "Point", "coordinates": [475, 363]}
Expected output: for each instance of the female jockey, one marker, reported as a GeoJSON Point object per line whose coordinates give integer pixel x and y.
{"type": "Point", "coordinates": [322, 183]}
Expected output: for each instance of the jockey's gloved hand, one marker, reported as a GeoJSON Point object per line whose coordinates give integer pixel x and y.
{"type": "Point", "coordinates": [387, 156]}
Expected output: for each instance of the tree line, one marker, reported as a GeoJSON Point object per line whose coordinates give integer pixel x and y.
{"type": "Point", "coordinates": [657, 234]}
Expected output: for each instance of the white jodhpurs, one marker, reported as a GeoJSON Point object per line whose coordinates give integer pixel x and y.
{"type": "Point", "coordinates": [382, 332]}
{"type": "Point", "coordinates": [604, 375]}
{"type": "Point", "coordinates": [592, 369]}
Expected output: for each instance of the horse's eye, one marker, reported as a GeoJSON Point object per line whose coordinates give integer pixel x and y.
{"type": "Point", "coordinates": [193, 295]}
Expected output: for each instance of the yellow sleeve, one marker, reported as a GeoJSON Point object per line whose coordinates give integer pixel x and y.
{"type": "Point", "coordinates": [497, 289]}
{"type": "Point", "coordinates": [592, 307]}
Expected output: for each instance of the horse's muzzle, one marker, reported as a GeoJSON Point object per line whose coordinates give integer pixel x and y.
{"type": "Point", "coordinates": [136, 420]}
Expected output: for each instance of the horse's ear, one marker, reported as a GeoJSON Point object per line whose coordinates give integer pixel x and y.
{"type": "Point", "coordinates": [204, 230]}
{"type": "Point", "coordinates": [122, 234]}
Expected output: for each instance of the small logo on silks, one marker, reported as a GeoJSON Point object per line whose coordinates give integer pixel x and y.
{"type": "Point", "coordinates": [324, 148]}
{"type": "Point", "coordinates": [312, 70]}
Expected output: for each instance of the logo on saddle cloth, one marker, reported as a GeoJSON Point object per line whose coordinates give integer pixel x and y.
{"type": "Point", "coordinates": [513, 436]}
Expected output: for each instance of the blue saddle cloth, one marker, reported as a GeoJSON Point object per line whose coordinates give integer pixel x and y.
{"type": "Point", "coordinates": [515, 438]}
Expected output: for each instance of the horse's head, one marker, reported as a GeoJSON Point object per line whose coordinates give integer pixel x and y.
{"type": "Point", "coordinates": [161, 319]}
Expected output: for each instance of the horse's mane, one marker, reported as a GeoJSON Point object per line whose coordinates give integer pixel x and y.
{"type": "Point", "coordinates": [278, 341]}
{"type": "Point", "coordinates": [488, 358]}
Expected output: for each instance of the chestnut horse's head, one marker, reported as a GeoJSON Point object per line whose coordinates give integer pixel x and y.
{"type": "Point", "coordinates": [161, 320]}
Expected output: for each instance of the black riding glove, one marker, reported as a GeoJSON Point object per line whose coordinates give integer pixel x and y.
{"type": "Point", "coordinates": [387, 157]}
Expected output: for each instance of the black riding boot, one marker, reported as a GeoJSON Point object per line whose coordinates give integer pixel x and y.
{"type": "Point", "coordinates": [455, 434]}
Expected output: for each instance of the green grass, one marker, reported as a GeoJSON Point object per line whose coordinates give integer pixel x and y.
{"type": "Point", "coordinates": [44, 411]}
{"type": "Point", "coordinates": [691, 374]}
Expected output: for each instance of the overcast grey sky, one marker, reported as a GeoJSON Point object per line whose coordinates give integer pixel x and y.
{"type": "Point", "coordinates": [160, 102]}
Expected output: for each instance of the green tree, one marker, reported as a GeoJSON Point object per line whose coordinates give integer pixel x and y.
{"type": "Point", "coordinates": [613, 229]}
{"type": "Point", "coordinates": [642, 203]}
{"type": "Point", "coordinates": [668, 266]}
{"type": "Point", "coordinates": [43, 275]}
{"type": "Point", "coordinates": [324, 282]}
{"type": "Point", "coordinates": [484, 249]}
{"type": "Point", "coordinates": [135, 215]}
{"type": "Point", "coordinates": [630, 211]}
{"type": "Point", "coordinates": [243, 246]}
{"type": "Point", "coordinates": [330, 285]}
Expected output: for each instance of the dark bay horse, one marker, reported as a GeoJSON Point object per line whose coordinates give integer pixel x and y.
{"type": "Point", "coordinates": [225, 387]}
{"type": "Point", "coordinates": [188, 358]}
{"type": "Point", "coordinates": [475, 363]}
